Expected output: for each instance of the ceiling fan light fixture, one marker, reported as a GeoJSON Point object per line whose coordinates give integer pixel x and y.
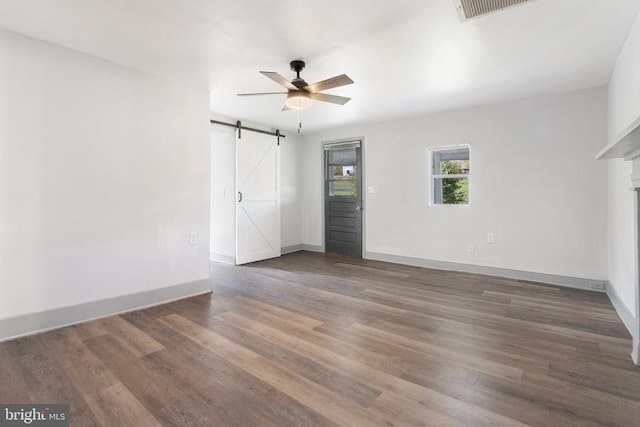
{"type": "Point", "coordinates": [298, 100]}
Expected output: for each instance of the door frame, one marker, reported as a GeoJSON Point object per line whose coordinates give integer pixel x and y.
{"type": "Point", "coordinates": [635, 350]}
{"type": "Point", "coordinates": [362, 183]}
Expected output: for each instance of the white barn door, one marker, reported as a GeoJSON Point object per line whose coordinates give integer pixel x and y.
{"type": "Point", "coordinates": [258, 197]}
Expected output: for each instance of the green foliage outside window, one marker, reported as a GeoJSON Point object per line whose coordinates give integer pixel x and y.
{"type": "Point", "coordinates": [455, 191]}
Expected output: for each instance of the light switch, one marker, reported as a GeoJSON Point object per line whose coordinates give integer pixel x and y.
{"type": "Point", "coordinates": [193, 238]}
{"type": "Point", "coordinates": [371, 189]}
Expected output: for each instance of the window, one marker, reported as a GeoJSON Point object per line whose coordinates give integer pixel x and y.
{"type": "Point", "coordinates": [342, 172]}
{"type": "Point", "coordinates": [449, 177]}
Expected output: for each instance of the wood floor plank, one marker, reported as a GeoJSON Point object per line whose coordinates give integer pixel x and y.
{"type": "Point", "coordinates": [371, 353]}
{"type": "Point", "coordinates": [391, 406]}
{"type": "Point", "coordinates": [115, 406]}
{"type": "Point", "coordinates": [13, 389]}
{"type": "Point", "coordinates": [87, 372]}
{"type": "Point", "coordinates": [45, 380]}
{"type": "Point", "coordinates": [285, 315]}
{"type": "Point", "coordinates": [152, 389]}
{"type": "Point", "coordinates": [377, 271]}
{"type": "Point", "coordinates": [356, 391]}
{"type": "Point", "coordinates": [565, 403]}
{"type": "Point", "coordinates": [470, 362]}
{"type": "Point", "coordinates": [217, 387]}
{"type": "Point", "coordinates": [316, 397]}
{"type": "Point", "coordinates": [374, 375]}
{"type": "Point", "coordinates": [477, 341]}
{"type": "Point", "coordinates": [131, 337]}
{"type": "Point", "coordinates": [613, 381]}
{"type": "Point", "coordinates": [530, 412]}
{"type": "Point", "coordinates": [88, 330]}
{"type": "Point", "coordinates": [219, 392]}
{"type": "Point", "coordinates": [498, 309]}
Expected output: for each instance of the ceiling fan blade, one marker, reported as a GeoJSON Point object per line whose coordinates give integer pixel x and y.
{"type": "Point", "coordinates": [334, 99]}
{"type": "Point", "coordinates": [285, 108]}
{"type": "Point", "coordinates": [279, 79]}
{"type": "Point", "coordinates": [262, 93]}
{"type": "Point", "coordinates": [337, 81]}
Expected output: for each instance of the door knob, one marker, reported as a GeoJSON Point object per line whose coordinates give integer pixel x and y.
{"type": "Point", "coordinates": [358, 208]}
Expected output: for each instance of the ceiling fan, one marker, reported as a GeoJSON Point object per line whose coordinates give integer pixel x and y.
{"type": "Point", "coordinates": [299, 93]}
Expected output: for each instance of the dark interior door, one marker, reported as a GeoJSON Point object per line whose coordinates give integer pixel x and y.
{"type": "Point", "coordinates": [343, 198]}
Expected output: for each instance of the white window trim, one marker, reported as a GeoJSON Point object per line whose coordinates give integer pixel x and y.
{"type": "Point", "coordinates": [433, 176]}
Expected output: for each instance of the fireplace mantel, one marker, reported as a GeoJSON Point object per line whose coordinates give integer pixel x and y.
{"type": "Point", "coordinates": [625, 146]}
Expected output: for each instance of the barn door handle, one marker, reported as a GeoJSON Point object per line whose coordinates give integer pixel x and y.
{"type": "Point", "coordinates": [239, 196]}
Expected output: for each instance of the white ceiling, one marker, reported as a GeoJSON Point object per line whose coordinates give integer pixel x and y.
{"type": "Point", "coordinates": [407, 57]}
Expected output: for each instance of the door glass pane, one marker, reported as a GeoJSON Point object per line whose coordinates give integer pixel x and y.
{"type": "Point", "coordinates": [343, 188]}
{"type": "Point", "coordinates": [342, 173]}
{"type": "Point", "coordinates": [342, 157]}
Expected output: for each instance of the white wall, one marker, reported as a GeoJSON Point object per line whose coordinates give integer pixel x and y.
{"type": "Point", "coordinates": [291, 176]}
{"type": "Point", "coordinates": [624, 85]}
{"type": "Point", "coordinates": [534, 183]}
{"type": "Point", "coordinates": [223, 193]}
{"type": "Point", "coordinates": [104, 171]}
{"type": "Point", "coordinates": [624, 109]}
{"type": "Point", "coordinates": [620, 232]}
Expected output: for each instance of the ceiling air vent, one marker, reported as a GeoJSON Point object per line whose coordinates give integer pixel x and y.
{"type": "Point", "coordinates": [468, 9]}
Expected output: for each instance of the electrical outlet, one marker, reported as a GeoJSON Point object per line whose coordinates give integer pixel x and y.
{"type": "Point", "coordinates": [491, 237]}
{"type": "Point", "coordinates": [471, 248]}
{"type": "Point", "coordinates": [193, 238]}
{"type": "Point", "coordinates": [600, 286]}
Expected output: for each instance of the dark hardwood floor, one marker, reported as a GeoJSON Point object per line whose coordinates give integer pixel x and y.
{"type": "Point", "coordinates": [311, 339]}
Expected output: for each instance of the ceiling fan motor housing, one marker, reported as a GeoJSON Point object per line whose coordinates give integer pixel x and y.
{"type": "Point", "coordinates": [297, 65]}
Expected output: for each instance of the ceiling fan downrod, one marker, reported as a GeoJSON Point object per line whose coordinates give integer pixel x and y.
{"type": "Point", "coordinates": [297, 66]}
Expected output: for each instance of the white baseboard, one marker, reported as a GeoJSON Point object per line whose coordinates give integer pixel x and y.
{"type": "Point", "coordinates": [227, 259]}
{"type": "Point", "coordinates": [623, 312]}
{"type": "Point", "coordinates": [551, 279]}
{"type": "Point", "coordinates": [28, 324]}
{"type": "Point", "coordinates": [301, 247]}
{"type": "Point", "coordinates": [628, 319]}
{"type": "Point", "coordinates": [291, 249]}
{"type": "Point", "coordinates": [313, 248]}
